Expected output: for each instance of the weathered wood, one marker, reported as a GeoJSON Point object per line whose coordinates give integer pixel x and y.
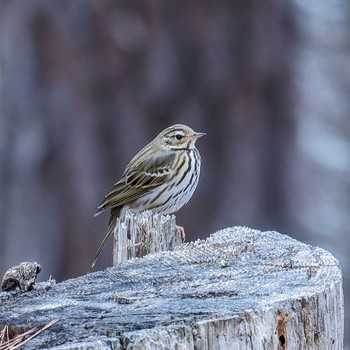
{"type": "Point", "coordinates": [138, 235]}
{"type": "Point", "coordinates": [22, 276]}
{"type": "Point", "coordinates": [239, 289]}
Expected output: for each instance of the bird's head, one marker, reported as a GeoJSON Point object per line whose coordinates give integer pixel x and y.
{"type": "Point", "coordinates": [179, 136]}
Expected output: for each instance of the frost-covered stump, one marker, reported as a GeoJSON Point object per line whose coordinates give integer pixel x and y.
{"type": "Point", "coordinates": [239, 289]}
{"type": "Point", "coordinates": [138, 235]}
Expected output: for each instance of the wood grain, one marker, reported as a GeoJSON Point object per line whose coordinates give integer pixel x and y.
{"type": "Point", "coordinates": [239, 289]}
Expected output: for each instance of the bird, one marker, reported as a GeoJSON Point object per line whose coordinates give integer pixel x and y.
{"type": "Point", "coordinates": [162, 177]}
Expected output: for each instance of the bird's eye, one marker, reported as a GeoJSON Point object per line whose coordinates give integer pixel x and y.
{"type": "Point", "coordinates": [178, 136]}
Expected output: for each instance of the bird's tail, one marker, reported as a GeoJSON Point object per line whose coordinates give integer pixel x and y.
{"type": "Point", "coordinates": [110, 229]}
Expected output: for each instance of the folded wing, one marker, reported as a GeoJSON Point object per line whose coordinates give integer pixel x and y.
{"type": "Point", "coordinates": [138, 179]}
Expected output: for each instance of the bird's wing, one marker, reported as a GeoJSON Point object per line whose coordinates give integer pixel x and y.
{"type": "Point", "coordinates": [139, 178]}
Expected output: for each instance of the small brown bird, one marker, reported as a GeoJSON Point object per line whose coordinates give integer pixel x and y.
{"type": "Point", "coordinates": [162, 177]}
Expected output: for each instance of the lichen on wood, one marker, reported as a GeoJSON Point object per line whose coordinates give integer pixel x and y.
{"type": "Point", "coordinates": [22, 276]}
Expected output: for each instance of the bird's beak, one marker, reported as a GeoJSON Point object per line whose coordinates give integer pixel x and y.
{"type": "Point", "coordinates": [197, 135]}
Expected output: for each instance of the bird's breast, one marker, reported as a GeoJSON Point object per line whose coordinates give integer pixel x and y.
{"type": "Point", "coordinates": [169, 197]}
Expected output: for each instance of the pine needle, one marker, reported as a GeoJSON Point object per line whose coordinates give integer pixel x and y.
{"type": "Point", "coordinates": [20, 339]}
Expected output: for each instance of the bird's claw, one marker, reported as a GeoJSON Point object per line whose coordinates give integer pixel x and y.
{"type": "Point", "coordinates": [181, 231]}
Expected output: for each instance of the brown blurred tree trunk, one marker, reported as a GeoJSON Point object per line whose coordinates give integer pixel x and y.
{"type": "Point", "coordinates": [86, 84]}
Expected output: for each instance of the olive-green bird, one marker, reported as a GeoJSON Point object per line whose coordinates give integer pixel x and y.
{"type": "Point", "coordinates": [162, 177]}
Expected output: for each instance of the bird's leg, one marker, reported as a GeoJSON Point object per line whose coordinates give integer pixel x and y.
{"type": "Point", "coordinates": [181, 231]}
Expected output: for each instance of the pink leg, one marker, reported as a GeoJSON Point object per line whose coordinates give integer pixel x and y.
{"type": "Point", "coordinates": [181, 231]}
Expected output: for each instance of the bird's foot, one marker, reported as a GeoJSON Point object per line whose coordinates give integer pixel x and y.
{"type": "Point", "coordinates": [181, 231]}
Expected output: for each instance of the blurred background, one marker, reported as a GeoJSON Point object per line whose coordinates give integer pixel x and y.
{"type": "Point", "coordinates": [84, 85]}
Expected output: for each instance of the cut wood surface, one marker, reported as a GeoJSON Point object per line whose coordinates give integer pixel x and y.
{"type": "Point", "coordinates": [239, 289]}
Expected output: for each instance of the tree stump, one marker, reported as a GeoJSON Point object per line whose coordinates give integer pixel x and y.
{"type": "Point", "coordinates": [138, 235]}
{"type": "Point", "coordinates": [238, 289]}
